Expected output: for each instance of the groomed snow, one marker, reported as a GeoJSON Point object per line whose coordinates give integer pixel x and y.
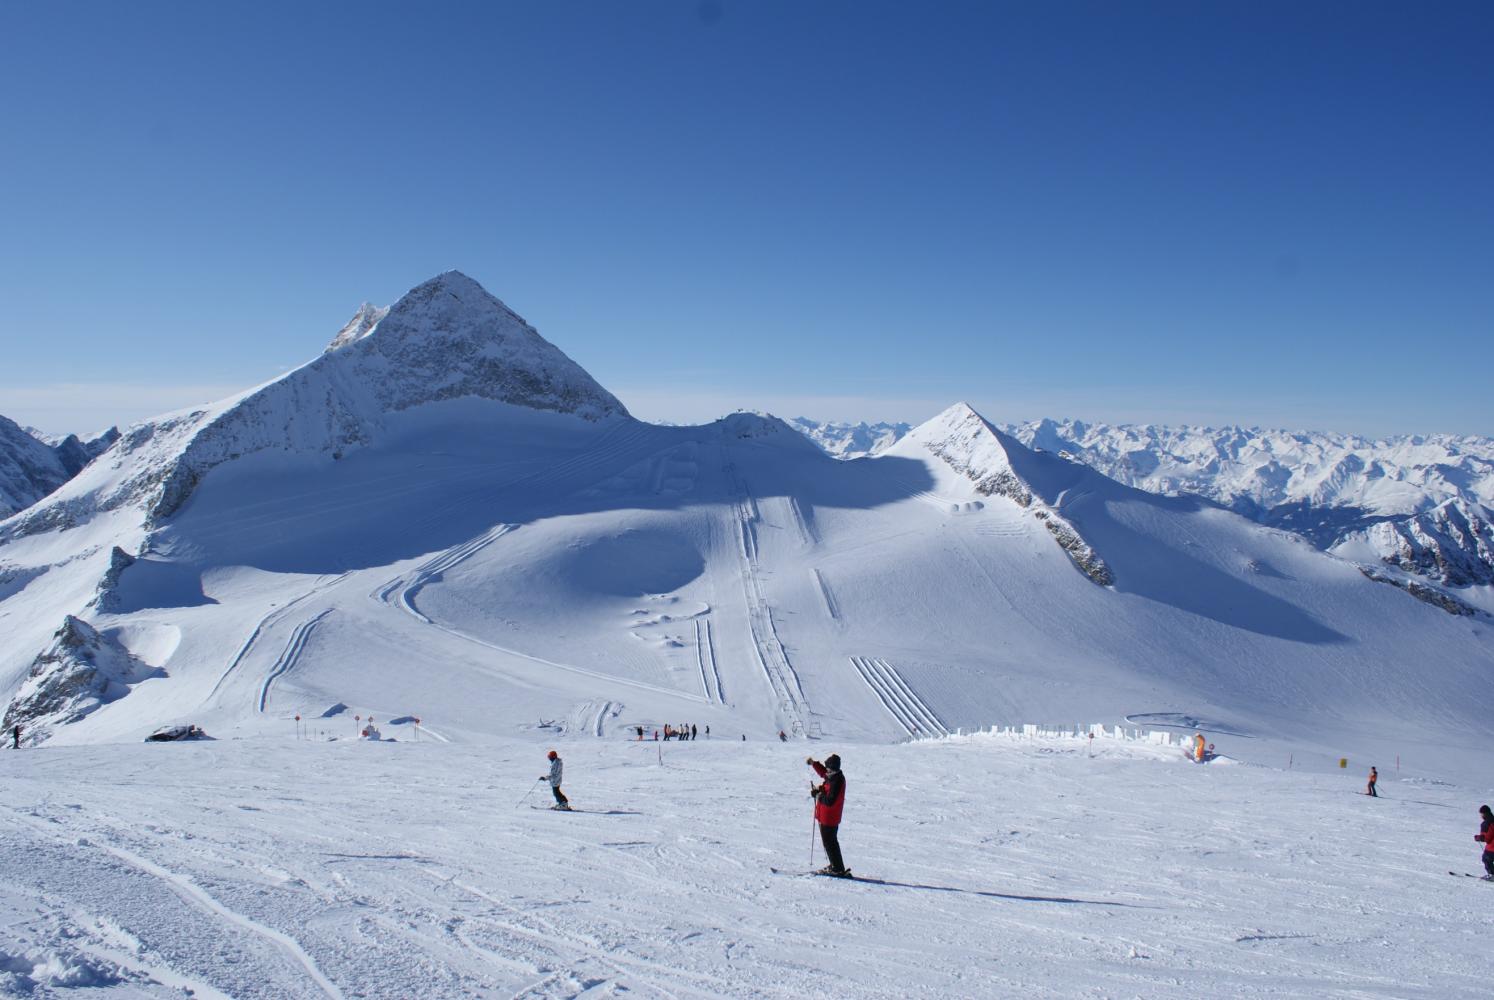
{"type": "Point", "coordinates": [279, 868]}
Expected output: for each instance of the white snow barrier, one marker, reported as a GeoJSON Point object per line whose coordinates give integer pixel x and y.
{"type": "Point", "coordinates": [1039, 731]}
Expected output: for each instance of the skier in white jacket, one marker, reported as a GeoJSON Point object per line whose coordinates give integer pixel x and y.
{"type": "Point", "coordinates": [561, 802]}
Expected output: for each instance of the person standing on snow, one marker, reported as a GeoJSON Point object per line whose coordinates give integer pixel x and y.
{"type": "Point", "coordinates": [829, 800]}
{"type": "Point", "coordinates": [1486, 836]}
{"type": "Point", "coordinates": [561, 802]}
{"type": "Point", "coordinates": [1370, 788]}
{"type": "Point", "coordinates": [15, 735]}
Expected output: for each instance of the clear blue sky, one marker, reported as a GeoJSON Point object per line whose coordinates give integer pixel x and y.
{"type": "Point", "coordinates": [1266, 213]}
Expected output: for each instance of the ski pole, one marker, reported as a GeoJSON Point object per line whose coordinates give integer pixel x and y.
{"type": "Point", "coordinates": [528, 793]}
{"type": "Point", "coordinates": [811, 840]}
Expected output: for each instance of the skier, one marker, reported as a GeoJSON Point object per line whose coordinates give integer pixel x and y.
{"type": "Point", "coordinates": [782, 736]}
{"type": "Point", "coordinates": [561, 802]}
{"type": "Point", "coordinates": [693, 732]}
{"type": "Point", "coordinates": [1370, 788]}
{"type": "Point", "coordinates": [640, 734]}
{"type": "Point", "coordinates": [15, 735]}
{"type": "Point", "coordinates": [1485, 836]}
{"type": "Point", "coordinates": [829, 799]}
{"type": "Point", "coordinates": [1198, 747]}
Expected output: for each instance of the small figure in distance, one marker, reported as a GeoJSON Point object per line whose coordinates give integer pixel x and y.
{"type": "Point", "coordinates": [1485, 835]}
{"type": "Point", "coordinates": [1370, 788]}
{"type": "Point", "coordinates": [782, 736]}
{"type": "Point", "coordinates": [561, 802]}
{"type": "Point", "coordinates": [15, 735]}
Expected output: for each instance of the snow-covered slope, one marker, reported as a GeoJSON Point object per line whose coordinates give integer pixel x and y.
{"type": "Point", "coordinates": [444, 517]}
{"type": "Point", "coordinates": [284, 869]}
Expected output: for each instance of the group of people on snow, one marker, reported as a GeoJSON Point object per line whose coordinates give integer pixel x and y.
{"type": "Point", "coordinates": [687, 731]}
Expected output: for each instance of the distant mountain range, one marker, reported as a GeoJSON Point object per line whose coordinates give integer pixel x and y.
{"type": "Point", "coordinates": [1421, 503]}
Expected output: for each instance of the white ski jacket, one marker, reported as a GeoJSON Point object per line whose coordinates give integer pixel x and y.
{"type": "Point", "coordinates": [555, 770]}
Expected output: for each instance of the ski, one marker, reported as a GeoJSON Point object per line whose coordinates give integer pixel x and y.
{"type": "Point", "coordinates": [806, 873]}
{"type": "Point", "coordinates": [1481, 878]}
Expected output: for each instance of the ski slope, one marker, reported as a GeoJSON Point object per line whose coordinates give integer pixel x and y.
{"type": "Point", "coordinates": [278, 868]}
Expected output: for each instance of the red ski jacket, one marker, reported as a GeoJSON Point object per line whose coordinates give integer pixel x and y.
{"type": "Point", "coordinates": [830, 798]}
{"type": "Point", "coordinates": [1485, 833]}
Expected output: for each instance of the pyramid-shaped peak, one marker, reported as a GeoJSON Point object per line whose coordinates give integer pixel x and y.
{"type": "Point", "coordinates": [449, 337]}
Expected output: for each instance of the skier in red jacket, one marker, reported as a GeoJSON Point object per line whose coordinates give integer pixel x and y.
{"type": "Point", "coordinates": [1485, 836]}
{"type": "Point", "coordinates": [829, 800]}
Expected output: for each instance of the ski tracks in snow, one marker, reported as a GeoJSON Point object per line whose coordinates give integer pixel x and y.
{"type": "Point", "coordinates": [402, 592]}
{"type": "Point", "coordinates": [915, 717]}
{"type": "Point", "coordinates": [290, 656]}
{"type": "Point", "coordinates": [71, 875]}
{"type": "Point", "coordinates": [705, 658]}
{"type": "Point", "coordinates": [766, 646]}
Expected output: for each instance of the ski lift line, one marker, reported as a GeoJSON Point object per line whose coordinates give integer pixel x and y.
{"type": "Point", "coordinates": [290, 655]}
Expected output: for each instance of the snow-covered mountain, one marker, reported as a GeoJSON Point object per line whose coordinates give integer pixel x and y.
{"type": "Point", "coordinates": [1419, 503]}
{"type": "Point", "coordinates": [443, 516]}
{"type": "Point", "coordinates": [32, 464]}
{"type": "Point", "coordinates": [843, 440]}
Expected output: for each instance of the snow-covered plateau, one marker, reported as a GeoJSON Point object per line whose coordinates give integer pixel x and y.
{"type": "Point", "coordinates": [444, 518]}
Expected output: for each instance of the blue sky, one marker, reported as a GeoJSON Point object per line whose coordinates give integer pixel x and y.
{"type": "Point", "coordinates": [1268, 213]}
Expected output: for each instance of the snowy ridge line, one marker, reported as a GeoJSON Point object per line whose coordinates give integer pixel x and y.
{"type": "Point", "coordinates": [193, 894]}
{"type": "Point", "coordinates": [831, 608]}
{"type": "Point", "coordinates": [290, 655]}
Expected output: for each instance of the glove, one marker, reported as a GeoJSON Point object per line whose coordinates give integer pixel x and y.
{"type": "Point", "coordinates": [809, 760]}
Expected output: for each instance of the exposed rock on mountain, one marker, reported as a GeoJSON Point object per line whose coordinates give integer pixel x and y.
{"type": "Point", "coordinates": [81, 671]}
{"type": "Point", "coordinates": [29, 468]}
{"type": "Point", "coordinates": [990, 459]}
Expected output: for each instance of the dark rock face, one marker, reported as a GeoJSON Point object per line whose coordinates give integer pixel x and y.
{"type": "Point", "coordinates": [81, 671]}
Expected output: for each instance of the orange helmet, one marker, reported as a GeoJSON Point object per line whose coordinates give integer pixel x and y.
{"type": "Point", "coordinates": [552, 755]}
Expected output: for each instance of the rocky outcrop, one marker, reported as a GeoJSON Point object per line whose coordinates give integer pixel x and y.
{"type": "Point", "coordinates": [972, 447]}
{"type": "Point", "coordinates": [80, 672]}
{"type": "Point", "coordinates": [1452, 544]}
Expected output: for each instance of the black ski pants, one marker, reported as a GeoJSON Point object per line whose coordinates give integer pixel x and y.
{"type": "Point", "coordinates": [560, 799]}
{"type": "Point", "coordinates": [1489, 862]}
{"type": "Point", "coordinates": [830, 837]}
